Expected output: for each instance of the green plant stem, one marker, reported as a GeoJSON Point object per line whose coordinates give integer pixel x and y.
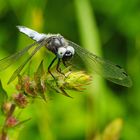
{"type": "Point", "coordinates": [12, 109]}
{"type": "Point", "coordinates": [4, 135]}
{"type": "Point", "coordinates": [4, 128]}
{"type": "Point", "coordinates": [90, 39]}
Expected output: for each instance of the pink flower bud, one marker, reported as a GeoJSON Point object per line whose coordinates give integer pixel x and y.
{"type": "Point", "coordinates": [21, 100]}
{"type": "Point", "coordinates": [11, 121]}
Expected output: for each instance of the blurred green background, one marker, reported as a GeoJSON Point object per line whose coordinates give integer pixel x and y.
{"type": "Point", "coordinates": [108, 28]}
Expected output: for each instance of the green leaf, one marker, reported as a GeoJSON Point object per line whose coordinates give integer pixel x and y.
{"type": "Point", "coordinates": [3, 94]}
{"type": "Point", "coordinates": [40, 85]}
{"type": "Point", "coordinates": [21, 123]}
{"type": "Point", "coordinates": [64, 92]}
{"type": "Point", "coordinates": [40, 70]}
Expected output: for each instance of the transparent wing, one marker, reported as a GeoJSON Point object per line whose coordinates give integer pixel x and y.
{"type": "Point", "coordinates": [7, 61]}
{"type": "Point", "coordinates": [102, 67]}
{"type": "Point", "coordinates": [18, 70]}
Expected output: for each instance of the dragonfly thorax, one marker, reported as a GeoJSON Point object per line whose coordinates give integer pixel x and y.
{"type": "Point", "coordinates": [54, 42]}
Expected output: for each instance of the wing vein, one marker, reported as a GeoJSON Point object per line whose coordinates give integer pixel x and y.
{"type": "Point", "coordinates": [18, 70]}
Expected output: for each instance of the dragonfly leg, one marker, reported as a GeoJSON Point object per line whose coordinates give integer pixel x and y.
{"type": "Point", "coordinates": [65, 64]}
{"type": "Point", "coordinates": [58, 67]}
{"type": "Point", "coordinates": [50, 67]}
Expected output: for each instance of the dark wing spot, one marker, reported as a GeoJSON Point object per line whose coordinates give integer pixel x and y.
{"type": "Point", "coordinates": [123, 71]}
{"type": "Point", "coordinates": [119, 66]}
{"type": "Point", "coordinates": [125, 74]}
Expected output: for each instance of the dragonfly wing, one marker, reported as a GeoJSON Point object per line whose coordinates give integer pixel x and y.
{"type": "Point", "coordinates": [103, 67]}
{"type": "Point", "coordinates": [8, 61]}
{"type": "Point", "coordinates": [18, 70]}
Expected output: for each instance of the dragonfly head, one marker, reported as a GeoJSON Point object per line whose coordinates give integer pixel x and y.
{"type": "Point", "coordinates": [65, 53]}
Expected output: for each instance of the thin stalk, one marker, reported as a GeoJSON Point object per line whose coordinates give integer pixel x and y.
{"type": "Point", "coordinates": [4, 135]}
{"type": "Point", "coordinates": [90, 39]}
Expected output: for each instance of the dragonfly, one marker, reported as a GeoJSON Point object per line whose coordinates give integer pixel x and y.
{"type": "Point", "coordinates": [65, 51]}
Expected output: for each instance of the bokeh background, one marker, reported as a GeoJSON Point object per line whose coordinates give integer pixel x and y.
{"type": "Point", "coordinates": [108, 28]}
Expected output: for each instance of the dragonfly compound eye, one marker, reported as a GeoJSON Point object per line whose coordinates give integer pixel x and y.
{"type": "Point", "coordinates": [61, 52]}
{"type": "Point", "coordinates": [70, 49]}
{"type": "Point", "coordinates": [68, 54]}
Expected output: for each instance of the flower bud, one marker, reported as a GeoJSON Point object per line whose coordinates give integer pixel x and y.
{"type": "Point", "coordinates": [76, 80]}
{"type": "Point", "coordinates": [20, 100]}
{"type": "Point", "coordinates": [6, 107]}
{"type": "Point", "coordinates": [11, 121]}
